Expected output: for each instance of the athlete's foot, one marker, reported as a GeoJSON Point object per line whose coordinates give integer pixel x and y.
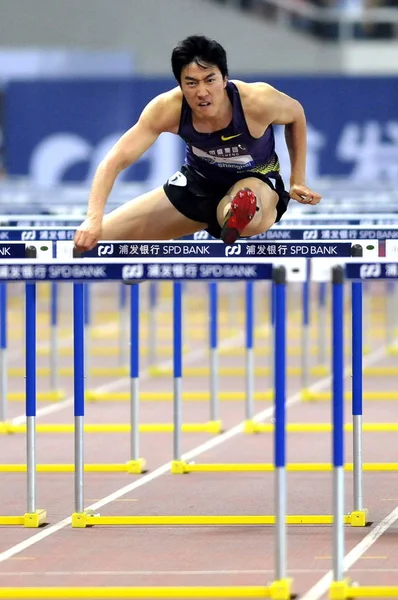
{"type": "Point", "coordinates": [242, 210]}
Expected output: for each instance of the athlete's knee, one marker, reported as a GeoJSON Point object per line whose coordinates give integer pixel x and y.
{"type": "Point", "coordinates": [263, 220]}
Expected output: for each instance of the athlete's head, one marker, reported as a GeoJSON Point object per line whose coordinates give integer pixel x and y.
{"type": "Point", "coordinates": [200, 66]}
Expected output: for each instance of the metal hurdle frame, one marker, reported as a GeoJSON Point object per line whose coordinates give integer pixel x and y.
{"type": "Point", "coordinates": [341, 587]}
{"type": "Point", "coordinates": [33, 517]}
{"type": "Point", "coordinates": [281, 587]}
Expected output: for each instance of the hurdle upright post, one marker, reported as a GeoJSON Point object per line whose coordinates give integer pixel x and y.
{"type": "Point", "coordinates": [3, 352]}
{"type": "Point", "coordinates": [152, 323]}
{"type": "Point", "coordinates": [305, 341]}
{"type": "Point", "coordinates": [87, 297]}
{"type": "Point", "coordinates": [78, 375]}
{"type": "Point", "coordinates": [33, 517]}
{"type": "Point", "coordinates": [359, 514]}
{"type": "Point", "coordinates": [123, 327]}
{"type": "Point", "coordinates": [177, 368]}
{"type": "Point", "coordinates": [279, 281]}
{"type": "Point", "coordinates": [321, 350]}
{"type": "Point", "coordinates": [54, 365]}
{"type": "Point", "coordinates": [213, 334]}
{"type": "Point", "coordinates": [338, 421]}
{"type": "Point", "coordinates": [30, 370]}
{"type": "Point", "coordinates": [79, 355]}
{"type": "Point", "coordinates": [249, 402]}
{"type": "Point", "coordinates": [135, 464]}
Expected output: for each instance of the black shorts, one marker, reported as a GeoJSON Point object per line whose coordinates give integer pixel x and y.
{"type": "Point", "coordinates": [197, 198]}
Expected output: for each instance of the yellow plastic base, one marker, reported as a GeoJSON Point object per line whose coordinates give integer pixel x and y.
{"type": "Point", "coordinates": [100, 593]}
{"type": "Point", "coordinates": [281, 589]}
{"type": "Point", "coordinates": [254, 427]}
{"type": "Point", "coordinates": [67, 468]}
{"type": "Point", "coordinates": [136, 467]}
{"type": "Point", "coordinates": [367, 591]}
{"type": "Point", "coordinates": [339, 590]}
{"type": "Point", "coordinates": [41, 396]}
{"type": "Point", "coordinates": [359, 518]}
{"type": "Point", "coordinates": [84, 520]}
{"type": "Point", "coordinates": [310, 396]}
{"type": "Point", "coordinates": [317, 371]}
{"type": "Point", "coordinates": [178, 467]}
{"type": "Point", "coordinates": [209, 427]}
{"type": "Point", "coordinates": [94, 396]}
{"type": "Point", "coordinates": [36, 519]}
{"type": "Point", "coordinates": [30, 520]}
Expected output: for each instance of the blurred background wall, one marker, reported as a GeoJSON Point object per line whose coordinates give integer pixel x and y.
{"type": "Point", "coordinates": [75, 74]}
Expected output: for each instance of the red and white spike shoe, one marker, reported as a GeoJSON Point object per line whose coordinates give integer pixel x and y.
{"type": "Point", "coordinates": [242, 210]}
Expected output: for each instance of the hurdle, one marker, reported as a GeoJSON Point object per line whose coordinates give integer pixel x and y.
{"type": "Point", "coordinates": [178, 466]}
{"type": "Point", "coordinates": [135, 464]}
{"type": "Point", "coordinates": [341, 587]}
{"type": "Point", "coordinates": [117, 269]}
{"type": "Point", "coordinates": [33, 517]}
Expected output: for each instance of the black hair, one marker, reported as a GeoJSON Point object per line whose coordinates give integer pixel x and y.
{"type": "Point", "coordinates": [201, 50]}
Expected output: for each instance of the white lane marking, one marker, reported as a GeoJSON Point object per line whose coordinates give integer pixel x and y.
{"type": "Point", "coordinates": [212, 443]}
{"type": "Point", "coordinates": [145, 573]}
{"type": "Point", "coordinates": [320, 588]}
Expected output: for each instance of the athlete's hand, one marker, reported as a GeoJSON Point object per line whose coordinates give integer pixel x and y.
{"type": "Point", "coordinates": [304, 195]}
{"type": "Point", "coordinates": [88, 234]}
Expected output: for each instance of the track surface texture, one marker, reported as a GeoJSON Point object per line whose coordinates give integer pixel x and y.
{"type": "Point", "coordinates": [59, 555]}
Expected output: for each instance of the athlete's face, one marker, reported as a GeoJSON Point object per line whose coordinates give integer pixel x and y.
{"type": "Point", "coordinates": [203, 88]}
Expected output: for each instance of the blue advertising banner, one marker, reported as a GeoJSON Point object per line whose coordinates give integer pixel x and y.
{"type": "Point", "coordinates": [59, 131]}
{"type": "Point", "coordinates": [132, 272]}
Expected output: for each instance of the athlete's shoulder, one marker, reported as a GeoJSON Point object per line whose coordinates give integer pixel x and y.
{"type": "Point", "coordinates": [164, 111]}
{"type": "Point", "coordinates": [256, 96]}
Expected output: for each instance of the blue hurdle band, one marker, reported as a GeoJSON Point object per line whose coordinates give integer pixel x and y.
{"type": "Point", "coordinates": [249, 404]}
{"type": "Point", "coordinates": [213, 337]}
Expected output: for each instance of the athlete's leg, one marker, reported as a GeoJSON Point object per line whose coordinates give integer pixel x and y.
{"type": "Point", "coordinates": [148, 217]}
{"type": "Point", "coordinates": [249, 207]}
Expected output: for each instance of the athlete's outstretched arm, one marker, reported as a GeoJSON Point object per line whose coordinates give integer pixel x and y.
{"type": "Point", "coordinates": [284, 110]}
{"type": "Point", "coordinates": [156, 118]}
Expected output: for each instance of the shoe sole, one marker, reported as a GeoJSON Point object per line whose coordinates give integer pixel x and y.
{"type": "Point", "coordinates": [243, 209]}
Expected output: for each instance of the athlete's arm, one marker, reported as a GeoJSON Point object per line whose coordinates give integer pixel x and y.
{"type": "Point", "coordinates": [160, 115]}
{"type": "Point", "coordinates": [156, 118]}
{"type": "Point", "coordinates": [271, 106]}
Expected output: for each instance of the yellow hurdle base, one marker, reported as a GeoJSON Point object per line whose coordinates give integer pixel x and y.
{"type": "Point", "coordinates": [342, 590]}
{"type": "Point", "coordinates": [29, 520]}
{"type": "Point", "coordinates": [81, 520]}
{"type": "Point", "coordinates": [135, 467]}
{"type": "Point", "coordinates": [209, 427]}
{"type": "Point", "coordinates": [54, 396]}
{"type": "Point", "coordinates": [92, 395]}
{"type": "Point", "coordinates": [179, 467]}
{"type": "Point", "coordinates": [253, 427]}
{"type": "Point", "coordinates": [120, 371]}
{"type": "Point", "coordinates": [278, 590]}
{"type": "Point", "coordinates": [319, 371]}
{"type": "Point", "coordinates": [309, 396]}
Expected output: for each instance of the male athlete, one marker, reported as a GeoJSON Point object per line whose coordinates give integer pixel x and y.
{"type": "Point", "coordinates": [230, 182]}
